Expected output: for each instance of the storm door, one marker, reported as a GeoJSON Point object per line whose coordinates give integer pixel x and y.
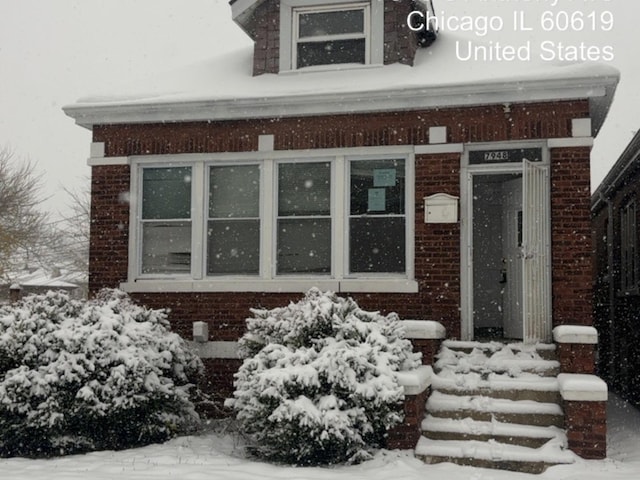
{"type": "Point", "coordinates": [536, 253]}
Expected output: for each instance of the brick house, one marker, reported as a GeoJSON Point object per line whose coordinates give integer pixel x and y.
{"type": "Point", "coordinates": [356, 157]}
{"type": "Point", "coordinates": [617, 272]}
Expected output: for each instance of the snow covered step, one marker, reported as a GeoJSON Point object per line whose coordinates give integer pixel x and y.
{"type": "Point", "coordinates": [494, 454]}
{"type": "Point", "coordinates": [530, 436]}
{"type": "Point", "coordinates": [495, 357]}
{"type": "Point", "coordinates": [545, 351]}
{"type": "Point", "coordinates": [523, 387]}
{"type": "Point", "coordinates": [483, 408]}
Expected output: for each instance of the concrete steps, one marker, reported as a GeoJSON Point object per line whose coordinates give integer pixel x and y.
{"type": "Point", "coordinates": [495, 405]}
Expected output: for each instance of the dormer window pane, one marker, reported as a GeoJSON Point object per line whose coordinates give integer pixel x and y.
{"type": "Point", "coordinates": [331, 35]}
{"type": "Point", "coordinates": [329, 53]}
{"type": "Point", "coordinates": [331, 23]}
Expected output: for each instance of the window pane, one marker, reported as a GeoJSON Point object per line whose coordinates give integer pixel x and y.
{"type": "Point", "coordinates": [166, 193]}
{"type": "Point", "coordinates": [304, 189]}
{"type": "Point", "coordinates": [234, 247]}
{"type": "Point", "coordinates": [331, 52]}
{"type": "Point", "coordinates": [377, 244]}
{"type": "Point", "coordinates": [331, 23]}
{"type": "Point", "coordinates": [377, 187]}
{"type": "Point", "coordinates": [304, 245]}
{"type": "Point", "coordinates": [166, 247]}
{"type": "Point", "coordinates": [234, 191]}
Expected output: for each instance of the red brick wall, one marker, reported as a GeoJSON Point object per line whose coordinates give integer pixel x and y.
{"type": "Point", "coordinates": [576, 357]}
{"type": "Point", "coordinates": [266, 52]}
{"type": "Point", "coordinates": [218, 384]}
{"type": "Point", "coordinates": [437, 249]}
{"type": "Point", "coordinates": [586, 425]}
{"type": "Point", "coordinates": [109, 234]}
{"type": "Point", "coordinates": [400, 43]}
{"type": "Point", "coordinates": [429, 348]}
{"type": "Point", "coordinates": [437, 245]}
{"type": "Point", "coordinates": [571, 236]}
{"type": "Point", "coordinates": [465, 125]}
{"type": "Point", "coordinates": [406, 435]}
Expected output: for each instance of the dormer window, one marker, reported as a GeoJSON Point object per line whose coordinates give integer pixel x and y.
{"type": "Point", "coordinates": [330, 35]}
{"type": "Point", "coordinates": [330, 32]}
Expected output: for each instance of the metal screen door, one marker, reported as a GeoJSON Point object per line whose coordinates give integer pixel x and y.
{"type": "Point", "coordinates": [536, 271]}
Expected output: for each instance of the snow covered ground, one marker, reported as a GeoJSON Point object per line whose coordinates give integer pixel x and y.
{"type": "Point", "coordinates": [221, 457]}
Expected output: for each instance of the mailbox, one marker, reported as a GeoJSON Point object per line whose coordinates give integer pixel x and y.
{"type": "Point", "coordinates": [441, 208]}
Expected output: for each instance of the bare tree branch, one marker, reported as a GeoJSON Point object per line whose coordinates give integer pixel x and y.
{"type": "Point", "coordinates": [21, 223]}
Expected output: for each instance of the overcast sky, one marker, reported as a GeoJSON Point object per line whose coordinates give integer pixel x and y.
{"type": "Point", "coordinates": [53, 52]}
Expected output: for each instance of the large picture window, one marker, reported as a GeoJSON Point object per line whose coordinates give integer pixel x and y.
{"type": "Point", "coordinates": [304, 218]}
{"type": "Point", "coordinates": [325, 221]}
{"type": "Point", "coordinates": [166, 220]}
{"type": "Point", "coordinates": [377, 216]}
{"type": "Point", "coordinates": [233, 227]}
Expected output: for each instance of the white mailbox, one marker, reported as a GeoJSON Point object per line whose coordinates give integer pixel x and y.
{"type": "Point", "coordinates": [440, 208]}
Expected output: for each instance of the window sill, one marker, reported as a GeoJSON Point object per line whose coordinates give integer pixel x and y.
{"type": "Point", "coordinates": [301, 285]}
{"type": "Point", "coordinates": [335, 67]}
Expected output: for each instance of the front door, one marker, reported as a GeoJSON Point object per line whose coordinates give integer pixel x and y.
{"type": "Point", "coordinates": [506, 284]}
{"type": "Point", "coordinates": [497, 256]}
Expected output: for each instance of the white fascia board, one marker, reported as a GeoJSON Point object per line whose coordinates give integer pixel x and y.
{"type": "Point", "coordinates": [448, 96]}
{"type": "Point", "coordinates": [436, 149]}
{"type": "Point", "coordinates": [103, 161]}
{"type": "Point", "coordinates": [570, 142]}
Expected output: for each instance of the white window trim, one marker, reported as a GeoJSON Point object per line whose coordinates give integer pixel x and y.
{"type": "Point", "coordinates": [375, 42]}
{"type": "Point", "coordinates": [366, 33]}
{"type": "Point", "coordinates": [267, 281]}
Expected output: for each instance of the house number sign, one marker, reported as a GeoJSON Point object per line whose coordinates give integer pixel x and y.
{"type": "Point", "coordinates": [511, 155]}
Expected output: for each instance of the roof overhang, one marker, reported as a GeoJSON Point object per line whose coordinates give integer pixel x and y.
{"type": "Point", "coordinates": [628, 161]}
{"type": "Point", "coordinates": [243, 13]}
{"type": "Point", "coordinates": [598, 90]}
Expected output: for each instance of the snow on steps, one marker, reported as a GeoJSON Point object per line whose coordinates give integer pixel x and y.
{"type": "Point", "coordinates": [492, 454]}
{"type": "Point", "coordinates": [484, 408]}
{"type": "Point", "coordinates": [497, 406]}
{"type": "Point", "coordinates": [468, 429]}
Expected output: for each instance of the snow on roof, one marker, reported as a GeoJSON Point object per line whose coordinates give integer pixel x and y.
{"type": "Point", "coordinates": [224, 88]}
{"type": "Point", "coordinates": [41, 278]}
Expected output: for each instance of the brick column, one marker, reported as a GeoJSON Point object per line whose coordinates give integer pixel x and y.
{"type": "Point", "coordinates": [576, 346]}
{"type": "Point", "coordinates": [584, 399]}
{"type": "Point", "coordinates": [586, 425]}
{"type": "Point", "coordinates": [426, 337]}
{"type": "Point", "coordinates": [416, 384]}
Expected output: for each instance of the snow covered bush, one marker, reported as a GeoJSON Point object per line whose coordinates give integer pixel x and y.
{"type": "Point", "coordinates": [319, 383]}
{"type": "Point", "coordinates": [102, 374]}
